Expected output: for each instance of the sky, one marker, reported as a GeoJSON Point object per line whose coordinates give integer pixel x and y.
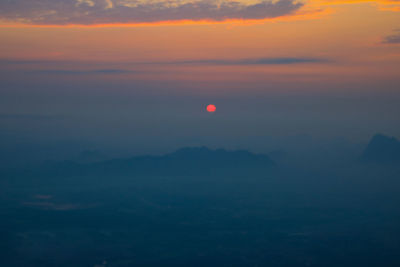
{"type": "Point", "coordinates": [138, 74]}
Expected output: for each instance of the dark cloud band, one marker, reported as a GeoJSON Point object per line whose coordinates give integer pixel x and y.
{"type": "Point", "coordinates": [88, 12]}
{"type": "Point", "coordinates": [251, 61]}
{"type": "Point", "coordinates": [392, 39]}
{"type": "Point", "coordinates": [224, 62]}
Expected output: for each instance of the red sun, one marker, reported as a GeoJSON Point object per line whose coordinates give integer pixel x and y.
{"type": "Point", "coordinates": [211, 108]}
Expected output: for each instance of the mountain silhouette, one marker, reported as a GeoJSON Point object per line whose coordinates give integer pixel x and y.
{"type": "Point", "coordinates": [90, 156]}
{"type": "Point", "coordinates": [185, 161]}
{"type": "Point", "coordinates": [382, 149]}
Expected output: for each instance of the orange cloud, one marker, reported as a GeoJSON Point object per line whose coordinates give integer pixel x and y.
{"type": "Point", "coordinates": [305, 15]}
{"type": "Point", "coordinates": [384, 5]}
{"type": "Point", "coordinates": [126, 13]}
{"type": "Point", "coordinates": [100, 12]}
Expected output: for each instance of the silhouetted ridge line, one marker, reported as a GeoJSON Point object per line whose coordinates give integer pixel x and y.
{"type": "Point", "coordinates": [382, 149]}
{"type": "Point", "coordinates": [185, 161]}
{"type": "Point", "coordinates": [204, 153]}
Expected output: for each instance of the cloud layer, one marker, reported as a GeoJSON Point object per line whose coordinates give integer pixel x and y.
{"type": "Point", "coordinates": [392, 39]}
{"type": "Point", "coordinates": [58, 70]}
{"type": "Point", "coordinates": [88, 12]}
{"type": "Point", "coordinates": [252, 61]}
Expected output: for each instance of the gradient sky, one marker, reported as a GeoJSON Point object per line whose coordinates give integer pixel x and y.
{"type": "Point", "coordinates": [139, 74]}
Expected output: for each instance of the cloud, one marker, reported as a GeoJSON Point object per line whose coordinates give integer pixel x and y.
{"type": "Point", "coordinates": [392, 39]}
{"type": "Point", "coordinates": [89, 12]}
{"type": "Point", "coordinates": [82, 72]}
{"type": "Point", "coordinates": [383, 5]}
{"type": "Point", "coordinates": [212, 61]}
{"type": "Point", "coordinates": [27, 117]}
{"type": "Point", "coordinates": [251, 61]}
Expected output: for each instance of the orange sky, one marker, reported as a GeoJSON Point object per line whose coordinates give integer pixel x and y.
{"type": "Point", "coordinates": [330, 63]}
{"type": "Point", "coordinates": [348, 34]}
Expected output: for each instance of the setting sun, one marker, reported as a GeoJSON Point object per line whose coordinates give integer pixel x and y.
{"type": "Point", "coordinates": [211, 108]}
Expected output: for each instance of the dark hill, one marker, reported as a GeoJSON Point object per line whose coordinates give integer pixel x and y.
{"type": "Point", "coordinates": [185, 161]}
{"type": "Point", "coordinates": [382, 149]}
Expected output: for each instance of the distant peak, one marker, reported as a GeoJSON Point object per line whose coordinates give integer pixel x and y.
{"type": "Point", "coordinates": [382, 149]}
{"type": "Point", "coordinates": [383, 138]}
{"type": "Point", "coordinates": [193, 149]}
{"type": "Point", "coordinates": [203, 152]}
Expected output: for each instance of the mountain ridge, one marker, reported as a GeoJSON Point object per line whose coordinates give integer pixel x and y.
{"type": "Point", "coordinates": [184, 161]}
{"type": "Point", "coordinates": [382, 149]}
